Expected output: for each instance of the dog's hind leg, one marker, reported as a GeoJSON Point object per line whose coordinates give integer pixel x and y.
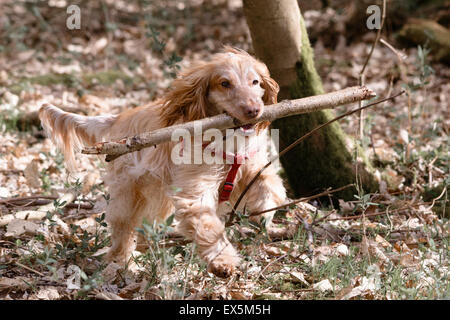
{"type": "Point", "coordinates": [125, 212]}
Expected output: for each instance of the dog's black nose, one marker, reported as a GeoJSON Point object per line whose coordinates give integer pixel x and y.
{"type": "Point", "coordinates": [251, 112]}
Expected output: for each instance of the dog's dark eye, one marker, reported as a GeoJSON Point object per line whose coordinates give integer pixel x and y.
{"type": "Point", "coordinates": [255, 82]}
{"type": "Point", "coordinates": [226, 84]}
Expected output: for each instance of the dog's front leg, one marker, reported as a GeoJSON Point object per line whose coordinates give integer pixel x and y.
{"type": "Point", "coordinates": [196, 211]}
{"type": "Point", "coordinates": [203, 226]}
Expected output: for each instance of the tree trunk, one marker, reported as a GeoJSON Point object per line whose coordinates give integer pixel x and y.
{"type": "Point", "coordinates": [324, 160]}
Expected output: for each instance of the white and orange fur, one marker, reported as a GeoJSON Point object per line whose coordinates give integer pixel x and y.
{"type": "Point", "coordinates": [147, 184]}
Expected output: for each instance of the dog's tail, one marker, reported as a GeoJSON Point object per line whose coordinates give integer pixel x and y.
{"type": "Point", "coordinates": [71, 132]}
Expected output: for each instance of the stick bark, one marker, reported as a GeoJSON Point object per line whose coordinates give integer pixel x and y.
{"type": "Point", "coordinates": [286, 108]}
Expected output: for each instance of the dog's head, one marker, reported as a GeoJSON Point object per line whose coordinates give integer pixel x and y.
{"type": "Point", "coordinates": [232, 81]}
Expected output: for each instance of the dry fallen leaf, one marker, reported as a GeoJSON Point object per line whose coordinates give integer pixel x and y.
{"type": "Point", "coordinates": [48, 293]}
{"type": "Point", "coordinates": [323, 286]}
{"type": "Point", "coordinates": [88, 224]}
{"type": "Point", "coordinates": [367, 286]}
{"type": "Point", "coordinates": [107, 296]}
{"type": "Point", "coordinates": [382, 241]}
{"type": "Point", "coordinates": [392, 178]}
{"type": "Point", "coordinates": [272, 251]}
{"type": "Point", "coordinates": [32, 175]}
{"type": "Point", "coordinates": [25, 55]}
{"type": "Point", "coordinates": [97, 46]}
{"type": "Point", "coordinates": [18, 283]}
{"type": "Point", "coordinates": [342, 249]}
{"type": "Point", "coordinates": [3, 77]}
{"type": "Point", "coordinates": [373, 248]}
{"type": "Point", "coordinates": [66, 69]}
{"type": "Point", "coordinates": [129, 290]}
{"type": "Point", "coordinates": [298, 277]}
{"type": "Point", "coordinates": [404, 137]}
{"type": "Point", "coordinates": [74, 280]}
{"type": "Point", "coordinates": [237, 295]}
{"type": "Point", "coordinates": [407, 259]}
{"type": "Point", "coordinates": [344, 293]}
{"type": "Point", "coordinates": [109, 274]}
{"type": "Point", "coordinates": [18, 227]}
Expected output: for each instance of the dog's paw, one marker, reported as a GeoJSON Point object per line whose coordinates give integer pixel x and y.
{"type": "Point", "coordinates": [114, 257]}
{"type": "Point", "coordinates": [224, 265]}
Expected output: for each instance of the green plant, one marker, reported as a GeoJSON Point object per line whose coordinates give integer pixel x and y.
{"type": "Point", "coordinates": [169, 64]}
{"type": "Point", "coordinates": [159, 261]}
{"type": "Point", "coordinates": [89, 283]}
{"type": "Point", "coordinates": [9, 119]}
{"type": "Point", "coordinates": [47, 259]}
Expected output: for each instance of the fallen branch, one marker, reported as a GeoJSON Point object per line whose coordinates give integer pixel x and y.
{"type": "Point", "coordinates": [41, 212]}
{"type": "Point", "coordinates": [41, 200]}
{"type": "Point", "coordinates": [9, 200]}
{"type": "Point", "coordinates": [286, 108]}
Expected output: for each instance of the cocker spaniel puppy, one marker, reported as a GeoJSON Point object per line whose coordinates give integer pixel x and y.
{"type": "Point", "coordinates": [149, 184]}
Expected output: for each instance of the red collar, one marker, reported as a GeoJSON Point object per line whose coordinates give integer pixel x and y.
{"type": "Point", "coordinates": [238, 160]}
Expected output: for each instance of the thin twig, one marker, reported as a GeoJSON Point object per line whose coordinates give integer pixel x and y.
{"type": "Point", "coordinates": [362, 73]}
{"type": "Point", "coordinates": [269, 264]}
{"type": "Point", "coordinates": [302, 200]}
{"type": "Point", "coordinates": [438, 197]}
{"type": "Point", "coordinates": [401, 55]}
{"type": "Point", "coordinates": [29, 269]}
{"type": "Point", "coordinates": [358, 216]}
{"type": "Point", "coordinates": [323, 218]}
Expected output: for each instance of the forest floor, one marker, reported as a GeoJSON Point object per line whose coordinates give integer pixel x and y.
{"type": "Point", "coordinates": [389, 245]}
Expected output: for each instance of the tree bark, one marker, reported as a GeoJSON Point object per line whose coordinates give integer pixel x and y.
{"type": "Point", "coordinates": [325, 160]}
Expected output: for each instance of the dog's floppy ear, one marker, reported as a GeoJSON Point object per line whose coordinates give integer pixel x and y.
{"type": "Point", "coordinates": [187, 98]}
{"type": "Point", "coordinates": [270, 86]}
{"type": "Point", "coordinates": [271, 89]}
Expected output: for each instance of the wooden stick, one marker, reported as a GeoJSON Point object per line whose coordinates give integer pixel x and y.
{"type": "Point", "coordinates": [286, 108]}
